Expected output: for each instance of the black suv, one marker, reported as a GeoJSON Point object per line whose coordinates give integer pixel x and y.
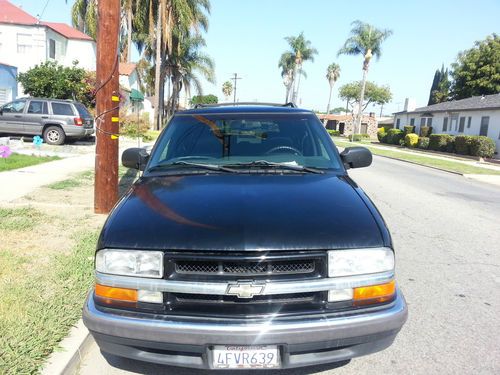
{"type": "Point", "coordinates": [245, 244]}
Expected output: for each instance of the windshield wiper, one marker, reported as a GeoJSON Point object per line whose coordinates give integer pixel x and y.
{"type": "Point", "coordinates": [211, 167]}
{"type": "Point", "coordinates": [270, 164]}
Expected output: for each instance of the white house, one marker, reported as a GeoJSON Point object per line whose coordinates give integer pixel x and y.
{"type": "Point", "coordinates": [25, 41]}
{"type": "Point", "coordinates": [479, 115]}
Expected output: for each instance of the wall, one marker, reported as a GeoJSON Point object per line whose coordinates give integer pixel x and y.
{"type": "Point", "coordinates": [8, 82]}
{"type": "Point", "coordinates": [82, 50]}
{"type": "Point", "coordinates": [26, 57]}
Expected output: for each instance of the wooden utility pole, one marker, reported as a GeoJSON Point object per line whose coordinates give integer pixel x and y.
{"type": "Point", "coordinates": [107, 103]}
{"type": "Point", "coordinates": [235, 79]}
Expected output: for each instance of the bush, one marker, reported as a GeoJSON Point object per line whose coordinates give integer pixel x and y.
{"type": "Point", "coordinates": [333, 133]}
{"type": "Point", "coordinates": [425, 131]}
{"type": "Point", "coordinates": [408, 129]}
{"type": "Point", "coordinates": [358, 137]}
{"type": "Point", "coordinates": [382, 135]}
{"type": "Point", "coordinates": [423, 143]}
{"type": "Point", "coordinates": [411, 140]}
{"type": "Point", "coordinates": [482, 146]}
{"type": "Point", "coordinates": [394, 136]}
{"type": "Point", "coordinates": [439, 142]}
{"type": "Point", "coordinates": [450, 146]}
{"type": "Point", "coordinates": [129, 128]}
{"type": "Point", "coordinates": [462, 144]}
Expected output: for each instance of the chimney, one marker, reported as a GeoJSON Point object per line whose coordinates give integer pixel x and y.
{"type": "Point", "coordinates": [410, 104]}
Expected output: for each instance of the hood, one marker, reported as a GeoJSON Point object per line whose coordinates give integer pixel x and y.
{"type": "Point", "coordinates": [242, 212]}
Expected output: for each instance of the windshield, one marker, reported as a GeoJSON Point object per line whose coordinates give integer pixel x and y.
{"type": "Point", "coordinates": [239, 139]}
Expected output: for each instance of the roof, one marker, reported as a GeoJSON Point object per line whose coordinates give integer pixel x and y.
{"type": "Point", "coordinates": [15, 15]}
{"type": "Point", "coordinates": [348, 117]}
{"type": "Point", "coordinates": [126, 69]}
{"type": "Point", "coordinates": [244, 109]}
{"type": "Point", "coordinates": [67, 31]}
{"type": "Point", "coordinates": [474, 103]}
{"type": "Point", "coordinates": [12, 14]}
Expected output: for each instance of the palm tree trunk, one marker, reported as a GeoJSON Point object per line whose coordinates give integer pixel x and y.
{"type": "Point", "coordinates": [157, 71]}
{"type": "Point", "coordinates": [357, 125]}
{"type": "Point", "coordinates": [129, 33]}
{"type": "Point", "coordinates": [298, 83]}
{"type": "Point", "coordinates": [329, 101]}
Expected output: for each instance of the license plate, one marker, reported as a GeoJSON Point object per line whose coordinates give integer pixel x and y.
{"type": "Point", "coordinates": [242, 357]}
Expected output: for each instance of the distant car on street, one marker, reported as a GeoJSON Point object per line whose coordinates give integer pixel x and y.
{"type": "Point", "coordinates": [54, 119]}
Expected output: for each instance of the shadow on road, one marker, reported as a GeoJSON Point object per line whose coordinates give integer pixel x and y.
{"type": "Point", "coordinates": [145, 368]}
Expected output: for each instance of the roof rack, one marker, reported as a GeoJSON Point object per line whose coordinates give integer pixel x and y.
{"type": "Point", "coordinates": [291, 105]}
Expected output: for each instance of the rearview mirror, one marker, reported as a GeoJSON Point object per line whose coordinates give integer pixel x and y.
{"type": "Point", "coordinates": [135, 158]}
{"type": "Point", "coordinates": [356, 157]}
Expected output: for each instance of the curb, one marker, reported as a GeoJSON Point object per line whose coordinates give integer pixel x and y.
{"type": "Point", "coordinates": [67, 359]}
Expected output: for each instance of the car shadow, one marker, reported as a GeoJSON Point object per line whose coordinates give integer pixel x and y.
{"type": "Point", "coordinates": [139, 367]}
{"type": "Point", "coordinates": [127, 180]}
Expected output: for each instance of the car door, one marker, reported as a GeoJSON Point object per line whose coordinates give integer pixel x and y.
{"type": "Point", "coordinates": [11, 117]}
{"type": "Point", "coordinates": [35, 117]}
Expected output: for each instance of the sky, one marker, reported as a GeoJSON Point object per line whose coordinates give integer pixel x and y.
{"type": "Point", "coordinates": [247, 37]}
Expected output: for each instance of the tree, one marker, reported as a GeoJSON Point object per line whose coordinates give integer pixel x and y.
{"type": "Point", "coordinates": [374, 94]}
{"type": "Point", "coordinates": [146, 76]}
{"type": "Point", "coordinates": [51, 80]}
{"type": "Point", "coordinates": [332, 75]}
{"type": "Point", "coordinates": [434, 87]}
{"type": "Point", "coordinates": [365, 40]}
{"type": "Point", "coordinates": [84, 16]}
{"type": "Point", "coordinates": [301, 51]}
{"type": "Point", "coordinates": [287, 65]}
{"type": "Point", "coordinates": [227, 89]}
{"type": "Point", "coordinates": [440, 90]}
{"type": "Point", "coordinates": [337, 110]}
{"type": "Point", "coordinates": [204, 99]}
{"type": "Point", "coordinates": [477, 70]}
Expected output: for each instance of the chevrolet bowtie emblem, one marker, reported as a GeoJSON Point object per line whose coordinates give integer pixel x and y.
{"type": "Point", "coordinates": [244, 290]}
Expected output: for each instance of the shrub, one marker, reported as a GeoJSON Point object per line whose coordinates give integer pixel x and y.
{"type": "Point", "coordinates": [394, 136]}
{"type": "Point", "coordinates": [462, 144]}
{"type": "Point", "coordinates": [408, 129]}
{"type": "Point", "coordinates": [382, 135]}
{"type": "Point", "coordinates": [129, 128]}
{"type": "Point", "coordinates": [482, 146]}
{"type": "Point", "coordinates": [425, 131]}
{"type": "Point", "coordinates": [450, 146]}
{"type": "Point", "coordinates": [439, 142]}
{"type": "Point", "coordinates": [423, 143]}
{"type": "Point", "coordinates": [334, 133]}
{"type": "Point", "coordinates": [358, 137]}
{"type": "Point", "coordinates": [411, 140]}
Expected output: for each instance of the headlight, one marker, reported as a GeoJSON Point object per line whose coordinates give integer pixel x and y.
{"type": "Point", "coordinates": [359, 261]}
{"type": "Point", "coordinates": [130, 262]}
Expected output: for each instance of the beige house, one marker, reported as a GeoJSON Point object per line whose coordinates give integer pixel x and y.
{"type": "Point", "coordinates": [345, 123]}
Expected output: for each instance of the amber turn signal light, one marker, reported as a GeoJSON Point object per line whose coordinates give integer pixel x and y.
{"type": "Point", "coordinates": [374, 294]}
{"type": "Point", "coordinates": [121, 294]}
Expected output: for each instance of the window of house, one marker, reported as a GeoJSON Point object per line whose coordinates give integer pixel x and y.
{"type": "Point", "coordinates": [454, 122]}
{"type": "Point", "coordinates": [62, 109]}
{"type": "Point", "coordinates": [469, 120]}
{"type": "Point", "coordinates": [445, 124]}
{"type": "Point", "coordinates": [52, 48]}
{"type": "Point", "coordinates": [398, 122]}
{"type": "Point", "coordinates": [412, 122]}
{"type": "Point", "coordinates": [38, 107]}
{"type": "Point", "coordinates": [485, 121]}
{"type": "Point", "coordinates": [426, 121]}
{"type": "Point", "coordinates": [24, 43]}
{"type": "Point", "coordinates": [422, 121]}
{"type": "Point", "coordinates": [461, 126]}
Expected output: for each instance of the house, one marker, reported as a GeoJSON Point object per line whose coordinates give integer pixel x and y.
{"type": "Point", "coordinates": [345, 123]}
{"type": "Point", "coordinates": [25, 41]}
{"type": "Point", "coordinates": [8, 83]}
{"type": "Point", "coordinates": [479, 115]}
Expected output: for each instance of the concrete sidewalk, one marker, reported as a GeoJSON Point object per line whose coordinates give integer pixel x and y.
{"type": "Point", "coordinates": [19, 182]}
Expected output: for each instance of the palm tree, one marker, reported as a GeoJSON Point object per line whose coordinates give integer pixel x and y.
{"type": "Point", "coordinates": [302, 51]}
{"type": "Point", "coordinates": [365, 40]}
{"type": "Point", "coordinates": [127, 10]}
{"type": "Point", "coordinates": [287, 65]}
{"type": "Point", "coordinates": [332, 75]}
{"type": "Point", "coordinates": [84, 16]}
{"type": "Point", "coordinates": [227, 89]}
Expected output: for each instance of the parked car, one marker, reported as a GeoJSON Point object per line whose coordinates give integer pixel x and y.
{"type": "Point", "coordinates": [245, 244]}
{"type": "Point", "coordinates": [55, 120]}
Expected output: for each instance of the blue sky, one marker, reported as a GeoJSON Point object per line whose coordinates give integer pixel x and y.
{"type": "Point", "coordinates": [246, 37]}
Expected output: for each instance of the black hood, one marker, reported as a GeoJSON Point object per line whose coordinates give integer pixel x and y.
{"type": "Point", "coordinates": [243, 212]}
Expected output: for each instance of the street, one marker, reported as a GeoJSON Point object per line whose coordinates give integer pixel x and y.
{"type": "Point", "coordinates": [447, 239]}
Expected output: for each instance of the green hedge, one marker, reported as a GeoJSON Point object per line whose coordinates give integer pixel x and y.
{"type": "Point", "coordinates": [408, 129]}
{"type": "Point", "coordinates": [439, 142]}
{"type": "Point", "coordinates": [334, 133]}
{"type": "Point", "coordinates": [482, 146]}
{"type": "Point", "coordinates": [382, 135]}
{"type": "Point", "coordinates": [423, 143]}
{"type": "Point", "coordinates": [358, 137]}
{"type": "Point", "coordinates": [394, 136]}
{"type": "Point", "coordinates": [411, 140]}
{"type": "Point", "coordinates": [462, 144]}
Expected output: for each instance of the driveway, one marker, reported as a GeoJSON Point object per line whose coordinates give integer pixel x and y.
{"type": "Point", "coordinates": [446, 231]}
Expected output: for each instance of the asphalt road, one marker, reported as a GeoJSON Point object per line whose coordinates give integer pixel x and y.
{"type": "Point", "coordinates": [446, 231]}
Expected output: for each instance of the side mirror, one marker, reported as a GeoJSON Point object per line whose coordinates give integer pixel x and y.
{"type": "Point", "coordinates": [135, 158]}
{"type": "Point", "coordinates": [356, 157]}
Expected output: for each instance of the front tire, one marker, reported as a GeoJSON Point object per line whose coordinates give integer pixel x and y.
{"type": "Point", "coordinates": [54, 135]}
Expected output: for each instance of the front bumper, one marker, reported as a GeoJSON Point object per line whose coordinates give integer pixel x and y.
{"type": "Point", "coordinates": [303, 341]}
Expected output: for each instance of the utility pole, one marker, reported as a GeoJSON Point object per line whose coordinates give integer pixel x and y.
{"type": "Point", "coordinates": [235, 79]}
{"type": "Point", "coordinates": [107, 104]}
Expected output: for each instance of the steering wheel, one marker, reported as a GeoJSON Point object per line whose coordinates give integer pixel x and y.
{"type": "Point", "coordinates": [281, 148]}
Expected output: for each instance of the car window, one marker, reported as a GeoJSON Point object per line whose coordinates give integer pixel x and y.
{"type": "Point", "coordinates": [240, 138]}
{"type": "Point", "coordinates": [38, 107]}
{"type": "Point", "coordinates": [82, 111]}
{"type": "Point", "coordinates": [16, 106]}
{"type": "Point", "coordinates": [62, 109]}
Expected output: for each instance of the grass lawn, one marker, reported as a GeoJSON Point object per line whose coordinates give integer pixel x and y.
{"type": "Point", "coordinates": [448, 165]}
{"type": "Point", "coordinates": [16, 161]}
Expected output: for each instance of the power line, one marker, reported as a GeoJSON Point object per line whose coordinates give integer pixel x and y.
{"type": "Point", "coordinates": [235, 79]}
{"type": "Point", "coordinates": [43, 10]}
